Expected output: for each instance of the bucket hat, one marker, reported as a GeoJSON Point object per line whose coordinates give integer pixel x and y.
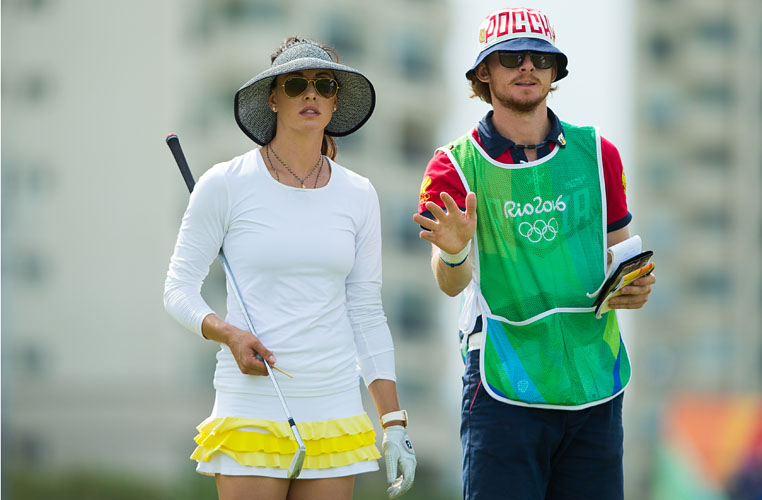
{"type": "Point", "coordinates": [356, 97]}
{"type": "Point", "coordinates": [519, 30]}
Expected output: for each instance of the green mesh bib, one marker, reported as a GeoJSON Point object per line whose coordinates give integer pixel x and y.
{"type": "Point", "coordinates": [540, 241]}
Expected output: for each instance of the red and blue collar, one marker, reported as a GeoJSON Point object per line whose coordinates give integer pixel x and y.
{"type": "Point", "coordinates": [496, 145]}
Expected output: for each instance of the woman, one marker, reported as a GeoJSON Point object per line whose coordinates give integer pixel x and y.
{"type": "Point", "coordinates": [302, 235]}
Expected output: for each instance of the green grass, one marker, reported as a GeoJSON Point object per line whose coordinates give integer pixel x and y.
{"type": "Point", "coordinates": [92, 485]}
{"type": "Point", "coordinates": [88, 484]}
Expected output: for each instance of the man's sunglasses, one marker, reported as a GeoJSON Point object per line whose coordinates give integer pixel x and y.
{"type": "Point", "coordinates": [514, 59]}
{"type": "Point", "coordinates": [296, 85]}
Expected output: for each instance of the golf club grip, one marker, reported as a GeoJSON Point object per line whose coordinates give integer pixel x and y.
{"type": "Point", "coordinates": [177, 151]}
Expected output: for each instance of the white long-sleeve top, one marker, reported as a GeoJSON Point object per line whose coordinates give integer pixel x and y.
{"type": "Point", "coordinates": [308, 265]}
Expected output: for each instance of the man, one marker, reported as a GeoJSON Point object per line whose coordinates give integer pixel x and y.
{"type": "Point", "coordinates": [542, 395]}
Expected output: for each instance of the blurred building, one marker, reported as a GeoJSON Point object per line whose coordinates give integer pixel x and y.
{"type": "Point", "coordinates": [94, 370]}
{"type": "Point", "coordinates": [699, 123]}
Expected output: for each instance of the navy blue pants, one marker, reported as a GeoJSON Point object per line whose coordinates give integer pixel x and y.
{"type": "Point", "coordinates": [524, 453]}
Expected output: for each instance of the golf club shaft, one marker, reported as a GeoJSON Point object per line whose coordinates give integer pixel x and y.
{"type": "Point", "coordinates": [174, 145]}
{"type": "Point", "coordinates": [239, 299]}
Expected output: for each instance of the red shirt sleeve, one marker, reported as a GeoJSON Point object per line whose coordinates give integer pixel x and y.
{"type": "Point", "coordinates": [440, 176]}
{"type": "Point", "coordinates": [613, 175]}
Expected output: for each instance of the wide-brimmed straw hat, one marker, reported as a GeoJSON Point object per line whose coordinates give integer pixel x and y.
{"type": "Point", "coordinates": [519, 30]}
{"type": "Point", "coordinates": [356, 96]}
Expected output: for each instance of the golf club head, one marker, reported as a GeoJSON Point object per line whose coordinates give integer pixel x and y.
{"type": "Point", "coordinates": [295, 467]}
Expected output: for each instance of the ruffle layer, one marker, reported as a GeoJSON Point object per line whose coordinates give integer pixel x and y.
{"type": "Point", "coordinates": [309, 430]}
{"type": "Point", "coordinates": [277, 461]}
{"type": "Point", "coordinates": [328, 443]}
{"type": "Point", "coordinates": [258, 441]}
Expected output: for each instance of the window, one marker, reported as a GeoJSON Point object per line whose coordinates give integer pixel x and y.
{"type": "Point", "coordinates": [660, 363]}
{"type": "Point", "coordinates": [244, 11]}
{"type": "Point", "coordinates": [28, 448]}
{"type": "Point", "coordinates": [30, 360]}
{"type": "Point", "coordinates": [661, 47]}
{"type": "Point", "coordinates": [30, 267]}
{"type": "Point", "coordinates": [661, 174]}
{"type": "Point", "coordinates": [410, 306]}
{"type": "Point", "coordinates": [711, 352]}
{"type": "Point", "coordinates": [417, 57]}
{"type": "Point", "coordinates": [714, 284]}
{"type": "Point", "coordinates": [413, 388]}
{"type": "Point", "coordinates": [30, 5]}
{"type": "Point", "coordinates": [31, 87]}
{"type": "Point", "coordinates": [713, 219]}
{"type": "Point", "coordinates": [37, 86]}
{"type": "Point", "coordinates": [662, 111]}
{"type": "Point", "coordinates": [217, 15]}
{"type": "Point", "coordinates": [214, 103]}
{"type": "Point", "coordinates": [717, 32]}
{"type": "Point", "coordinates": [11, 181]}
{"type": "Point", "coordinates": [27, 179]}
{"type": "Point", "coordinates": [406, 230]}
{"type": "Point", "coordinates": [352, 142]}
{"type": "Point", "coordinates": [415, 141]}
{"type": "Point", "coordinates": [714, 94]}
{"type": "Point", "coordinates": [714, 156]}
{"type": "Point", "coordinates": [36, 4]}
{"type": "Point", "coordinates": [342, 33]}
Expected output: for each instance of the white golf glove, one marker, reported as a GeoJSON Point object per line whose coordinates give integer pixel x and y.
{"type": "Point", "coordinates": [398, 450]}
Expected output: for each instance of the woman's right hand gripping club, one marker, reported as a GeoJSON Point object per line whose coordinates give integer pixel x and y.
{"type": "Point", "coordinates": [244, 345]}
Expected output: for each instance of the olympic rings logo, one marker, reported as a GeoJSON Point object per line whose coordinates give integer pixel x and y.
{"type": "Point", "coordinates": [540, 230]}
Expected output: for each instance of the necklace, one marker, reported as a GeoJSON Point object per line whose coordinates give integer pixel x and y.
{"type": "Point", "coordinates": [301, 180]}
{"type": "Point", "coordinates": [318, 174]}
{"type": "Point", "coordinates": [270, 161]}
{"type": "Point", "coordinates": [530, 146]}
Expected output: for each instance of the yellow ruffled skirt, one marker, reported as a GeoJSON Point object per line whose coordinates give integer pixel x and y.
{"type": "Point", "coordinates": [243, 445]}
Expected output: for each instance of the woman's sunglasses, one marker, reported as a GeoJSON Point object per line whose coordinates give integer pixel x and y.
{"type": "Point", "coordinates": [296, 85]}
{"type": "Point", "coordinates": [514, 59]}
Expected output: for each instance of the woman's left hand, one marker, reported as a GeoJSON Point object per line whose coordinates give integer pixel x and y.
{"type": "Point", "coordinates": [634, 295]}
{"type": "Point", "coordinates": [398, 451]}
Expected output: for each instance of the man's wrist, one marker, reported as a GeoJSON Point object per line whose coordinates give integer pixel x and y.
{"type": "Point", "coordinates": [454, 260]}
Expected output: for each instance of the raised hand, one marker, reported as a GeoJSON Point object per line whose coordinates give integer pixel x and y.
{"type": "Point", "coordinates": [451, 230]}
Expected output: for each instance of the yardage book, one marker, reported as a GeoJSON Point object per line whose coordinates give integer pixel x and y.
{"type": "Point", "coordinates": [628, 263]}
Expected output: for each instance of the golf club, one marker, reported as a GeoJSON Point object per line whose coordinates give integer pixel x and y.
{"type": "Point", "coordinates": [295, 467]}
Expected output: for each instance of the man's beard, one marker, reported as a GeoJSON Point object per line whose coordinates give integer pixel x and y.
{"type": "Point", "coordinates": [519, 106]}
